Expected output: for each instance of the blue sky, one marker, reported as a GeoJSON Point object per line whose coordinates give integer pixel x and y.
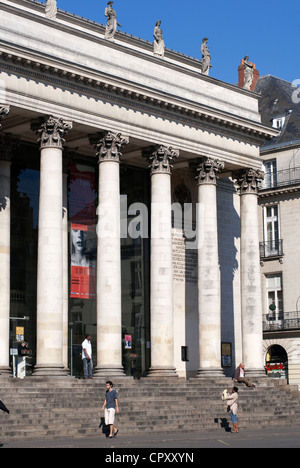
{"type": "Point", "coordinates": [266, 30]}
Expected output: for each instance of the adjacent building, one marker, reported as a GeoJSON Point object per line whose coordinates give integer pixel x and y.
{"type": "Point", "coordinates": [279, 213]}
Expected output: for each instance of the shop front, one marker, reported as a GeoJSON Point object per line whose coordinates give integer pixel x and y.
{"type": "Point", "coordinates": [277, 363]}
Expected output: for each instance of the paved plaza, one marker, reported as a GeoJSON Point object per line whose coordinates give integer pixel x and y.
{"type": "Point", "coordinates": [176, 443]}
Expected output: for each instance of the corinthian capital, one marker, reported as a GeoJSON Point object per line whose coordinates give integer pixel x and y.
{"type": "Point", "coordinates": [109, 146]}
{"type": "Point", "coordinates": [7, 147]}
{"type": "Point", "coordinates": [160, 159]}
{"type": "Point", "coordinates": [51, 132]}
{"type": "Point", "coordinates": [208, 170]}
{"type": "Point", "coordinates": [248, 180]}
{"type": "Point", "coordinates": [4, 110]}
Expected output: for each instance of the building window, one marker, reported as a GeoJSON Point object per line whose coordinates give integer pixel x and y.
{"type": "Point", "coordinates": [274, 297]}
{"type": "Point", "coordinates": [272, 245]}
{"type": "Point", "coordinates": [270, 180]}
{"type": "Point", "coordinates": [278, 122]}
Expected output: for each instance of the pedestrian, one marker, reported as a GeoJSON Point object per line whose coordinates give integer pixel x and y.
{"type": "Point", "coordinates": [239, 376]}
{"type": "Point", "coordinates": [3, 408]}
{"type": "Point", "coordinates": [110, 408]}
{"type": "Point", "coordinates": [87, 357]}
{"type": "Point", "coordinates": [232, 402]}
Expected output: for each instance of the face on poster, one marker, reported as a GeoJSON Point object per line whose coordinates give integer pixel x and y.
{"type": "Point", "coordinates": [83, 271]}
{"type": "Point", "coordinates": [79, 255]}
{"type": "Point", "coordinates": [82, 197]}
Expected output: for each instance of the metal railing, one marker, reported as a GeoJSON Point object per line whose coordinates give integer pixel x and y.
{"type": "Point", "coordinates": [271, 248]}
{"type": "Point", "coordinates": [285, 321]}
{"type": "Point", "coordinates": [280, 178]}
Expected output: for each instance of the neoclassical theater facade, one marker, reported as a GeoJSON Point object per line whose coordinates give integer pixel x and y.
{"type": "Point", "coordinates": [128, 204]}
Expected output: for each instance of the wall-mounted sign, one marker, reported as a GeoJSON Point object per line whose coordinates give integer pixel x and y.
{"type": "Point", "coordinates": [226, 352]}
{"type": "Point", "coordinates": [19, 334]}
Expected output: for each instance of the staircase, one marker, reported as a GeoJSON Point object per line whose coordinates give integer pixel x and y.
{"type": "Point", "coordinates": [70, 408]}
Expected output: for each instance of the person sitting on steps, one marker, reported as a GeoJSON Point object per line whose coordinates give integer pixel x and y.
{"type": "Point", "coordinates": [239, 376]}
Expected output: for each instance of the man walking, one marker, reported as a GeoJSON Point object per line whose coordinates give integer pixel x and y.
{"type": "Point", "coordinates": [111, 407]}
{"type": "Point", "coordinates": [87, 357]}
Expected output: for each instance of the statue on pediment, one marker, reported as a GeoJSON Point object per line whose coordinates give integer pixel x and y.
{"type": "Point", "coordinates": [205, 57]}
{"type": "Point", "coordinates": [51, 9]}
{"type": "Point", "coordinates": [159, 45]}
{"type": "Point", "coordinates": [111, 25]}
{"type": "Point", "coordinates": [248, 73]}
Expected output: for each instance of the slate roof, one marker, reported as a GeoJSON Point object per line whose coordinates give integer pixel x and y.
{"type": "Point", "coordinates": [277, 100]}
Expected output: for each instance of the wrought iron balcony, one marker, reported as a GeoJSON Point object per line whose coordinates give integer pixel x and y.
{"type": "Point", "coordinates": [285, 321]}
{"type": "Point", "coordinates": [271, 248]}
{"type": "Point", "coordinates": [281, 178]}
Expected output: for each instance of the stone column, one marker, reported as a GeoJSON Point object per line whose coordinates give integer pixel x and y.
{"type": "Point", "coordinates": [5, 158]}
{"type": "Point", "coordinates": [209, 301]}
{"type": "Point", "coordinates": [109, 307]}
{"type": "Point", "coordinates": [50, 249]}
{"type": "Point", "coordinates": [65, 260]}
{"type": "Point", "coordinates": [161, 265]}
{"type": "Point", "coordinates": [251, 302]}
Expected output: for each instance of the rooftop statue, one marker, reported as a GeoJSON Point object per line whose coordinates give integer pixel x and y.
{"type": "Point", "coordinates": [159, 45]}
{"type": "Point", "coordinates": [51, 9]}
{"type": "Point", "coordinates": [205, 56]}
{"type": "Point", "coordinates": [111, 25]}
{"type": "Point", "coordinates": [248, 73]}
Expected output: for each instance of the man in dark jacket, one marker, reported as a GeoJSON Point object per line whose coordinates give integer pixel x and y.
{"type": "Point", "coordinates": [3, 408]}
{"type": "Point", "coordinates": [240, 376]}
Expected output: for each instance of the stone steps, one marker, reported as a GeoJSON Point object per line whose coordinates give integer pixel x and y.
{"type": "Point", "coordinates": [71, 408]}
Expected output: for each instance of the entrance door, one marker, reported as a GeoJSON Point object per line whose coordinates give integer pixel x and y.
{"type": "Point", "coordinates": [135, 251]}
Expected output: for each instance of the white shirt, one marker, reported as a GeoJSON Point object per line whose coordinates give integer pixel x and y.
{"type": "Point", "coordinates": [88, 346]}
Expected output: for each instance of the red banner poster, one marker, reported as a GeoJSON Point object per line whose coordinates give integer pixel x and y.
{"type": "Point", "coordinates": [83, 271]}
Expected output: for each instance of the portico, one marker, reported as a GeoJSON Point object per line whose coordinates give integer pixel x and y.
{"type": "Point", "coordinates": [130, 104]}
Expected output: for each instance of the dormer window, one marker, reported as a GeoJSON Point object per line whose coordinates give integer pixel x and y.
{"type": "Point", "coordinates": [278, 122]}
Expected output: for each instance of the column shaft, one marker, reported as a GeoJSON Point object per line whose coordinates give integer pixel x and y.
{"type": "Point", "coordinates": [5, 157]}
{"type": "Point", "coordinates": [109, 307]}
{"type": "Point", "coordinates": [209, 301]}
{"type": "Point", "coordinates": [50, 251]}
{"type": "Point", "coordinates": [161, 265]}
{"type": "Point", "coordinates": [251, 302]}
{"type": "Point", "coordinates": [161, 294]}
{"type": "Point", "coordinates": [4, 265]}
{"type": "Point", "coordinates": [65, 258]}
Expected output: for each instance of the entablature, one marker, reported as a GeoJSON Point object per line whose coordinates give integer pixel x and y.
{"type": "Point", "coordinates": [46, 69]}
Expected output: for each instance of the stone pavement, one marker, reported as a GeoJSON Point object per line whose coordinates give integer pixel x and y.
{"type": "Point", "coordinates": [269, 437]}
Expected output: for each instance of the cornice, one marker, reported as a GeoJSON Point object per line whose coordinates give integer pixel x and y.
{"type": "Point", "coordinates": [44, 68]}
{"type": "Point", "coordinates": [278, 191]}
{"type": "Point", "coordinates": [89, 29]}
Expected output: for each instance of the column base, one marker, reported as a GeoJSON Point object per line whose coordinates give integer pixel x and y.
{"type": "Point", "coordinates": [210, 372]}
{"type": "Point", "coordinates": [5, 371]}
{"type": "Point", "coordinates": [162, 372]}
{"type": "Point", "coordinates": [48, 370]}
{"type": "Point", "coordinates": [256, 373]}
{"type": "Point", "coordinates": [108, 372]}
